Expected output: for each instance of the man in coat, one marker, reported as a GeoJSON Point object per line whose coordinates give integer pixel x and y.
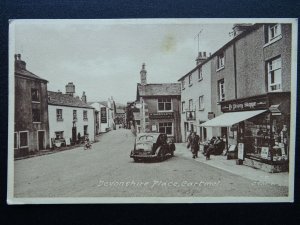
{"type": "Point", "coordinates": [195, 144]}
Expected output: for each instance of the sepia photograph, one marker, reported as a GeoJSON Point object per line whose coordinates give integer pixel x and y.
{"type": "Point", "coordinates": [152, 110]}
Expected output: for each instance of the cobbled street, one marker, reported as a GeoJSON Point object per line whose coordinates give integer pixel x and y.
{"type": "Point", "coordinates": [108, 171]}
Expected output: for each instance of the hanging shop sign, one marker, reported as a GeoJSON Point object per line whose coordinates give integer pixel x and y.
{"type": "Point", "coordinates": [190, 115]}
{"type": "Point", "coordinates": [103, 115]}
{"type": "Point", "coordinates": [244, 104]}
{"type": "Point", "coordinates": [241, 151]}
{"type": "Point", "coordinates": [164, 115]}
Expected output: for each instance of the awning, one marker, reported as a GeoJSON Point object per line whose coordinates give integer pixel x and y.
{"type": "Point", "coordinates": [228, 119]}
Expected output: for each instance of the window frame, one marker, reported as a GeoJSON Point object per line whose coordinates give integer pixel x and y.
{"type": "Point", "coordinates": [59, 118]}
{"type": "Point", "coordinates": [165, 127]}
{"type": "Point", "coordinates": [200, 74]}
{"type": "Point", "coordinates": [190, 79]}
{"type": "Point", "coordinates": [221, 82]}
{"type": "Point", "coordinates": [38, 100]}
{"type": "Point", "coordinates": [85, 115]}
{"type": "Point", "coordinates": [74, 115]}
{"type": "Point", "coordinates": [59, 132]}
{"type": "Point", "coordinates": [221, 61]}
{"type": "Point", "coordinates": [39, 119]}
{"type": "Point", "coordinates": [191, 106]}
{"type": "Point", "coordinates": [27, 132]}
{"type": "Point", "coordinates": [201, 103]}
{"type": "Point", "coordinates": [270, 63]}
{"type": "Point", "coordinates": [164, 102]}
{"type": "Point", "coordinates": [183, 84]}
{"type": "Point", "coordinates": [183, 107]}
{"type": "Point", "coordinates": [276, 36]}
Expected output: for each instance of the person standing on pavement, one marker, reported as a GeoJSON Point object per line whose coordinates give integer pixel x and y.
{"type": "Point", "coordinates": [195, 144]}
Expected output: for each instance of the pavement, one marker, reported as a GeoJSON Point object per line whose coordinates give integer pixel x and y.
{"type": "Point", "coordinates": [221, 162]}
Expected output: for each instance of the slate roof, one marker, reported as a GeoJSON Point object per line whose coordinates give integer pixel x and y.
{"type": "Point", "coordinates": [58, 98]}
{"type": "Point", "coordinates": [163, 89]}
{"type": "Point", "coordinates": [28, 74]}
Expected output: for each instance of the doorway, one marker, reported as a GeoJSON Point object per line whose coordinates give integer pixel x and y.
{"type": "Point", "coordinates": [41, 140]}
{"type": "Point", "coordinates": [74, 134]}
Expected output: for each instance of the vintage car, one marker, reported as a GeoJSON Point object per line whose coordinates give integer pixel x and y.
{"type": "Point", "coordinates": [152, 146]}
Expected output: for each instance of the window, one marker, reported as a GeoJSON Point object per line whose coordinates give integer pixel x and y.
{"type": "Point", "coordinates": [35, 95]}
{"type": "Point", "coordinates": [183, 84]}
{"type": "Point", "coordinates": [221, 61]}
{"type": "Point", "coordinates": [274, 31]}
{"type": "Point", "coordinates": [191, 104]}
{"type": "Point", "coordinates": [59, 135]}
{"type": "Point", "coordinates": [221, 90]}
{"type": "Point", "coordinates": [200, 77]}
{"type": "Point", "coordinates": [74, 114]}
{"type": "Point", "coordinates": [274, 75]}
{"type": "Point", "coordinates": [15, 139]}
{"type": "Point", "coordinates": [36, 115]}
{"type": "Point", "coordinates": [182, 106]}
{"type": "Point", "coordinates": [23, 139]}
{"type": "Point", "coordinates": [164, 104]}
{"type": "Point", "coordinates": [165, 128]}
{"type": "Point", "coordinates": [190, 79]}
{"type": "Point", "coordinates": [85, 129]}
{"type": "Point", "coordinates": [59, 115]}
{"type": "Point", "coordinates": [85, 117]}
{"type": "Point", "coordinates": [201, 103]}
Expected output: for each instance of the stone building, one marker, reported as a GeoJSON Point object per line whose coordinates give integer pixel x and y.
{"type": "Point", "coordinates": [31, 127]}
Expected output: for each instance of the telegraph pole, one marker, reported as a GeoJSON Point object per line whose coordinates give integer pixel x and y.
{"type": "Point", "coordinates": [198, 37]}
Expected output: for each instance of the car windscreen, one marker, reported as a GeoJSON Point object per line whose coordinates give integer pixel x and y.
{"type": "Point", "coordinates": [146, 138]}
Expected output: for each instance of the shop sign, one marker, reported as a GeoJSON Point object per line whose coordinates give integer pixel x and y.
{"type": "Point", "coordinates": [210, 115]}
{"type": "Point", "coordinates": [264, 152]}
{"type": "Point", "coordinates": [241, 151]}
{"type": "Point", "coordinates": [190, 115]}
{"type": "Point", "coordinates": [164, 115]}
{"type": "Point", "coordinates": [103, 115]}
{"type": "Point", "coordinates": [244, 105]}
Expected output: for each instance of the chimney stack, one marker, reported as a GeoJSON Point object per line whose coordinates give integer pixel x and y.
{"type": "Point", "coordinates": [239, 28]}
{"type": "Point", "coordinates": [19, 64]}
{"type": "Point", "coordinates": [83, 98]}
{"type": "Point", "coordinates": [143, 75]}
{"type": "Point", "coordinates": [70, 89]}
{"type": "Point", "coordinates": [201, 57]}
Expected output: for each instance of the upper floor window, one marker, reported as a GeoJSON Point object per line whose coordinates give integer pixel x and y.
{"type": "Point", "coordinates": [183, 84]}
{"type": "Point", "coordinates": [190, 79]}
{"type": "Point", "coordinates": [274, 31]}
{"type": "Point", "coordinates": [182, 106]}
{"type": "Point", "coordinates": [35, 95]}
{"type": "Point", "coordinates": [164, 104]}
{"type": "Point", "coordinates": [36, 115]}
{"type": "Point", "coordinates": [191, 104]}
{"type": "Point", "coordinates": [59, 114]}
{"type": "Point", "coordinates": [201, 103]}
{"type": "Point", "coordinates": [200, 77]}
{"type": "Point", "coordinates": [220, 61]}
{"type": "Point", "coordinates": [221, 90]}
{"type": "Point", "coordinates": [74, 114]}
{"type": "Point", "coordinates": [274, 75]}
{"type": "Point", "coordinates": [85, 116]}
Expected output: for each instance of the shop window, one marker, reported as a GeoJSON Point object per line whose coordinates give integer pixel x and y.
{"type": "Point", "coordinates": [59, 135]}
{"type": "Point", "coordinates": [164, 104]}
{"type": "Point", "coordinates": [190, 79]}
{"type": "Point", "coordinates": [182, 107]}
{"type": "Point", "coordinates": [274, 75]}
{"type": "Point", "coordinates": [200, 75]}
{"type": "Point", "coordinates": [85, 116]}
{"type": "Point", "coordinates": [75, 115]}
{"type": "Point", "coordinates": [24, 139]}
{"type": "Point", "coordinates": [166, 128]}
{"type": "Point", "coordinates": [273, 32]}
{"type": "Point", "coordinates": [221, 90]}
{"type": "Point", "coordinates": [220, 61]}
{"type": "Point", "coordinates": [35, 95]}
{"type": "Point", "coordinates": [36, 115]}
{"type": "Point", "coordinates": [201, 102]}
{"type": "Point", "coordinates": [15, 140]}
{"type": "Point", "coordinates": [190, 104]}
{"type": "Point", "coordinates": [59, 114]}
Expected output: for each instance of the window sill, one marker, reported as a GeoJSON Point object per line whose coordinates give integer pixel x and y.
{"type": "Point", "coordinates": [35, 122]}
{"type": "Point", "coordinates": [23, 147]}
{"type": "Point", "coordinates": [200, 79]}
{"type": "Point", "coordinates": [202, 109]}
{"type": "Point", "coordinates": [165, 111]}
{"type": "Point", "coordinates": [273, 40]}
{"type": "Point", "coordinates": [59, 119]}
{"type": "Point", "coordinates": [190, 85]}
{"type": "Point", "coordinates": [35, 102]}
{"type": "Point", "coordinates": [220, 68]}
{"type": "Point", "coordinates": [279, 90]}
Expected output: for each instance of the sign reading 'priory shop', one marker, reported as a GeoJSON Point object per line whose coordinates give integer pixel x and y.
{"type": "Point", "coordinates": [244, 105]}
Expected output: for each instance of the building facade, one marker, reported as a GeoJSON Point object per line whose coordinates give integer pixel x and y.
{"type": "Point", "coordinates": [196, 99]}
{"type": "Point", "coordinates": [251, 80]}
{"type": "Point", "coordinates": [70, 118]}
{"type": "Point", "coordinates": [159, 106]}
{"type": "Point", "coordinates": [31, 130]}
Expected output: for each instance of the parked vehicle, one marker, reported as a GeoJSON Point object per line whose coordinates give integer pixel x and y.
{"type": "Point", "coordinates": [152, 146]}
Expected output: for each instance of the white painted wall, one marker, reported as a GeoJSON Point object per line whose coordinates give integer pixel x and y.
{"type": "Point", "coordinates": [67, 123]}
{"type": "Point", "coordinates": [194, 91]}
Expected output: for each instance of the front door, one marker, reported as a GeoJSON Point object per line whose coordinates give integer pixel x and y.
{"type": "Point", "coordinates": [41, 140]}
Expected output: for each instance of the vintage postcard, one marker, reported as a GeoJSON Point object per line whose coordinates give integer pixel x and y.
{"type": "Point", "coordinates": [152, 111]}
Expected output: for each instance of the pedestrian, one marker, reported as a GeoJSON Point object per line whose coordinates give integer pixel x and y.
{"type": "Point", "coordinates": [195, 144]}
{"type": "Point", "coordinates": [216, 148]}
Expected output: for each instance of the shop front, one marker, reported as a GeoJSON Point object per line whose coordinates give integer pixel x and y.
{"type": "Point", "coordinates": [257, 130]}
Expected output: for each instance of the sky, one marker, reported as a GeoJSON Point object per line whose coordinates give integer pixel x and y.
{"type": "Point", "coordinates": [104, 57]}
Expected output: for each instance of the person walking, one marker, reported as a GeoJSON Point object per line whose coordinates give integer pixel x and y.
{"type": "Point", "coordinates": [195, 144]}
